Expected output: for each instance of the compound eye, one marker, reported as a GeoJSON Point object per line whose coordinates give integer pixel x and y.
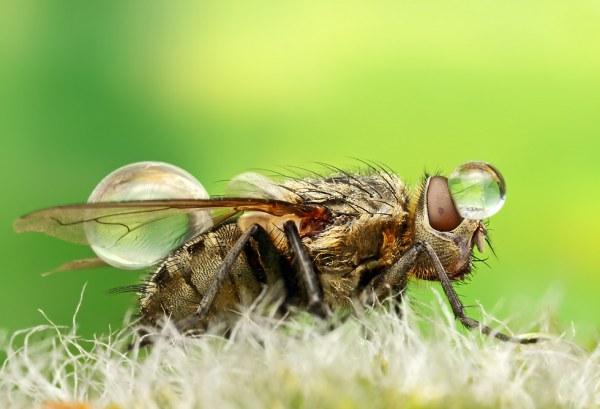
{"type": "Point", "coordinates": [443, 215]}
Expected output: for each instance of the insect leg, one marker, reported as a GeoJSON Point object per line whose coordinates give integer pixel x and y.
{"type": "Point", "coordinates": [221, 274]}
{"type": "Point", "coordinates": [276, 267]}
{"type": "Point", "coordinates": [457, 306]}
{"type": "Point", "coordinates": [393, 278]}
{"type": "Point", "coordinates": [306, 271]}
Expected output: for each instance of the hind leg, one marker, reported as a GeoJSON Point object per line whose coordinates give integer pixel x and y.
{"type": "Point", "coordinates": [216, 284]}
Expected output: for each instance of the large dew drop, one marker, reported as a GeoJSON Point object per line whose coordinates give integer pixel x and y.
{"type": "Point", "coordinates": [140, 238]}
{"type": "Point", "coordinates": [478, 190]}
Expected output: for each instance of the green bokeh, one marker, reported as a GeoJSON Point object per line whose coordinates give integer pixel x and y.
{"type": "Point", "coordinates": [219, 88]}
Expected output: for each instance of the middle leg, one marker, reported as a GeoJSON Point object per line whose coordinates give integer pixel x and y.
{"type": "Point", "coordinates": [306, 272]}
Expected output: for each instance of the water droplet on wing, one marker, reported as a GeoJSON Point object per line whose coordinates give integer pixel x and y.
{"type": "Point", "coordinates": [141, 239]}
{"type": "Point", "coordinates": [478, 190]}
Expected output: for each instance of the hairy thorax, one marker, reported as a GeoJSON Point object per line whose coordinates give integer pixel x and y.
{"type": "Point", "coordinates": [368, 228]}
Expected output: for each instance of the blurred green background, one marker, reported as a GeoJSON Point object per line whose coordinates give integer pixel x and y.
{"type": "Point", "coordinates": [222, 87]}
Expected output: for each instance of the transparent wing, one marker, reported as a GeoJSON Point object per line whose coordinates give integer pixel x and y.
{"type": "Point", "coordinates": [80, 264]}
{"type": "Point", "coordinates": [70, 222]}
{"type": "Point", "coordinates": [252, 184]}
{"type": "Point", "coordinates": [136, 234]}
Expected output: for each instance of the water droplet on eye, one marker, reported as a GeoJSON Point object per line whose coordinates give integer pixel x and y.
{"type": "Point", "coordinates": [141, 239]}
{"type": "Point", "coordinates": [478, 190]}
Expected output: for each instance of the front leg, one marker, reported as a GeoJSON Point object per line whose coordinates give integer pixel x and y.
{"type": "Point", "coordinates": [458, 308]}
{"type": "Point", "coordinates": [397, 275]}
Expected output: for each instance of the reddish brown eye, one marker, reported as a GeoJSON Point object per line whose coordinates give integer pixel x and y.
{"type": "Point", "coordinates": [443, 215]}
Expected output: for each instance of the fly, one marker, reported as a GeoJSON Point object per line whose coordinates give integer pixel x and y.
{"type": "Point", "coordinates": [315, 242]}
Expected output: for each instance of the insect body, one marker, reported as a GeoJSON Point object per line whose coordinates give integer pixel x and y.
{"type": "Point", "coordinates": [319, 242]}
{"type": "Point", "coordinates": [362, 229]}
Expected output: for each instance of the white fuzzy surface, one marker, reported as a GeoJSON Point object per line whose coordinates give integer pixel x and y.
{"type": "Point", "coordinates": [372, 360]}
